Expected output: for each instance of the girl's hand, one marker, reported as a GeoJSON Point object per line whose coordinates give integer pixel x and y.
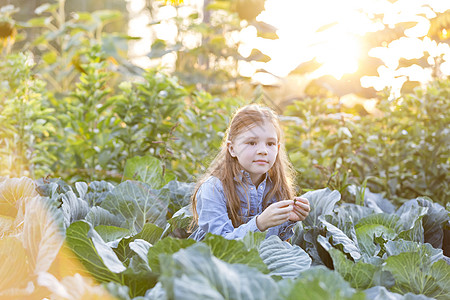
{"type": "Point", "coordinates": [275, 214]}
{"type": "Point", "coordinates": [301, 209]}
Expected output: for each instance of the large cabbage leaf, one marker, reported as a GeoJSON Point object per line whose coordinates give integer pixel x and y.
{"type": "Point", "coordinates": [339, 239]}
{"type": "Point", "coordinates": [418, 269]}
{"type": "Point", "coordinates": [43, 233]}
{"type": "Point", "coordinates": [97, 257]}
{"type": "Point", "coordinates": [150, 233]}
{"type": "Point", "coordinates": [433, 221]}
{"type": "Point", "coordinates": [318, 283]}
{"type": "Point", "coordinates": [13, 191]}
{"type": "Point", "coordinates": [135, 204]}
{"type": "Point", "coordinates": [95, 193]}
{"type": "Point", "coordinates": [375, 229]}
{"type": "Point", "coordinates": [14, 194]}
{"type": "Point", "coordinates": [374, 201]}
{"type": "Point", "coordinates": [322, 202]}
{"type": "Point", "coordinates": [73, 208]}
{"type": "Point", "coordinates": [410, 223]}
{"type": "Point", "coordinates": [146, 169]}
{"type": "Point", "coordinates": [168, 245]}
{"type": "Point", "coordinates": [282, 258]}
{"type": "Point", "coordinates": [14, 268]}
{"type": "Point", "coordinates": [193, 273]}
{"type": "Point", "coordinates": [234, 252]}
{"type": "Point", "coordinates": [381, 293]}
{"type": "Point", "coordinates": [73, 287]}
{"type": "Point", "coordinates": [100, 216]}
{"type": "Point", "coordinates": [179, 194]}
{"type": "Point", "coordinates": [346, 215]}
{"type": "Point", "coordinates": [359, 274]}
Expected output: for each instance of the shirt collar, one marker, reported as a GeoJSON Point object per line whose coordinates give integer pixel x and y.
{"type": "Point", "coordinates": [246, 174]}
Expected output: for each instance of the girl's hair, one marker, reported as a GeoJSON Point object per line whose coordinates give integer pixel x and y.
{"type": "Point", "coordinates": [228, 170]}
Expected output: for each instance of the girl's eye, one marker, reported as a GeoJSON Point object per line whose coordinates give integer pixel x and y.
{"type": "Point", "coordinates": [271, 143]}
{"type": "Point", "coordinates": [252, 143]}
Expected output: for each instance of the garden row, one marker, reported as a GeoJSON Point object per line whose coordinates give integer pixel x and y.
{"type": "Point", "coordinates": [129, 241]}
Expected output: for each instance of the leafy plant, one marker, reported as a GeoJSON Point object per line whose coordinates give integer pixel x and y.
{"type": "Point", "coordinates": [333, 146]}
{"type": "Point", "coordinates": [26, 117]}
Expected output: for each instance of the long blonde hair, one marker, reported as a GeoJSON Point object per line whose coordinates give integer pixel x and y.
{"type": "Point", "coordinates": [227, 168]}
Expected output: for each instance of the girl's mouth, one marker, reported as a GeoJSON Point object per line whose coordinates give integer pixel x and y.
{"type": "Point", "coordinates": [261, 161]}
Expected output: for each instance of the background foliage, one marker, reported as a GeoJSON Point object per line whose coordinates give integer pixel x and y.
{"type": "Point", "coordinates": [73, 107]}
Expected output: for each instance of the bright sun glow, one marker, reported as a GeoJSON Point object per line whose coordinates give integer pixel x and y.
{"type": "Point", "coordinates": [339, 57]}
{"type": "Point", "coordinates": [338, 46]}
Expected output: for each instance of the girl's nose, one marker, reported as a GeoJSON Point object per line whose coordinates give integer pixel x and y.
{"type": "Point", "coordinates": [262, 150]}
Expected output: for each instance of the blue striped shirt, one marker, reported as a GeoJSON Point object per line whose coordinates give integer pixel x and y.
{"type": "Point", "coordinates": [213, 215]}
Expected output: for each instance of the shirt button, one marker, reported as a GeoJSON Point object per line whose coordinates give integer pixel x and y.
{"type": "Point", "coordinates": [251, 188]}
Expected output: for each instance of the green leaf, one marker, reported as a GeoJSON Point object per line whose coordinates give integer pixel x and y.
{"type": "Point", "coordinates": [374, 201]}
{"type": "Point", "coordinates": [433, 221]}
{"type": "Point", "coordinates": [107, 15]}
{"type": "Point", "coordinates": [140, 247]}
{"type": "Point", "coordinates": [136, 204]}
{"type": "Point", "coordinates": [193, 273]}
{"type": "Point", "coordinates": [111, 233]}
{"type": "Point", "coordinates": [180, 222]}
{"type": "Point", "coordinates": [252, 240]}
{"type": "Point", "coordinates": [282, 258]}
{"type": "Point", "coordinates": [99, 216]}
{"type": "Point", "coordinates": [147, 169]}
{"type": "Point", "coordinates": [167, 246]}
{"type": "Point", "coordinates": [73, 208]}
{"type": "Point", "coordinates": [322, 202]}
{"type": "Point", "coordinates": [39, 22]}
{"type": "Point", "coordinates": [341, 240]}
{"type": "Point", "coordinates": [410, 222]}
{"type": "Point", "coordinates": [318, 283]}
{"type": "Point", "coordinates": [415, 272]}
{"type": "Point", "coordinates": [381, 293]}
{"type": "Point", "coordinates": [234, 252]}
{"type": "Point", "coordinates": [156, 293]}
{"type": "Point", "coordinates": [426, 250]}
{"type": "Point", "coordinates": [360, 275]}
{"type": "Point", "coordinates": [150, 233]}
{"type": "Point", "coordinates": [179, 194]}
{"type": "Point", "coordinates": [93, 253]}
{"type": "Point", "coordinates": [97, 191]}
{"type": "Point", "coordinates": [138, 277]}
{"type": "Point", "coordinates": [374, 226]}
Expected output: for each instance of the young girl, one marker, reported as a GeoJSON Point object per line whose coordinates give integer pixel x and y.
{"type": "Point", "coordinates": [249, 185]}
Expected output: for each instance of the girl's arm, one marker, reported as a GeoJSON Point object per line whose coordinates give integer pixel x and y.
{"type": "Point", "coordinates": [213, 215]}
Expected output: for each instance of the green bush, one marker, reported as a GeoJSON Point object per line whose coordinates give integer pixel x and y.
{"type": "Point", "coordinates": [26, 118]}
{"type": "Point", "coordinates": [401, 152]}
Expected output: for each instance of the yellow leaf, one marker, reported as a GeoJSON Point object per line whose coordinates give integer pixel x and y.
{"type": "Point", "coordinates": [14, 269]}
{"type": "Point", "coordinates": [42, 237]}
{"type": "Point", "coordinates": [13, 192]}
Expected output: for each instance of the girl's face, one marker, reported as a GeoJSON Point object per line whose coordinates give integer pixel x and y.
{"type": "Point", "coordinates": [256, 149]}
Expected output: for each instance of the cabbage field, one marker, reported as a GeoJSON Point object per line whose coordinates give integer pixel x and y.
{"type": "Point", "coordinates": [100, 240]}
